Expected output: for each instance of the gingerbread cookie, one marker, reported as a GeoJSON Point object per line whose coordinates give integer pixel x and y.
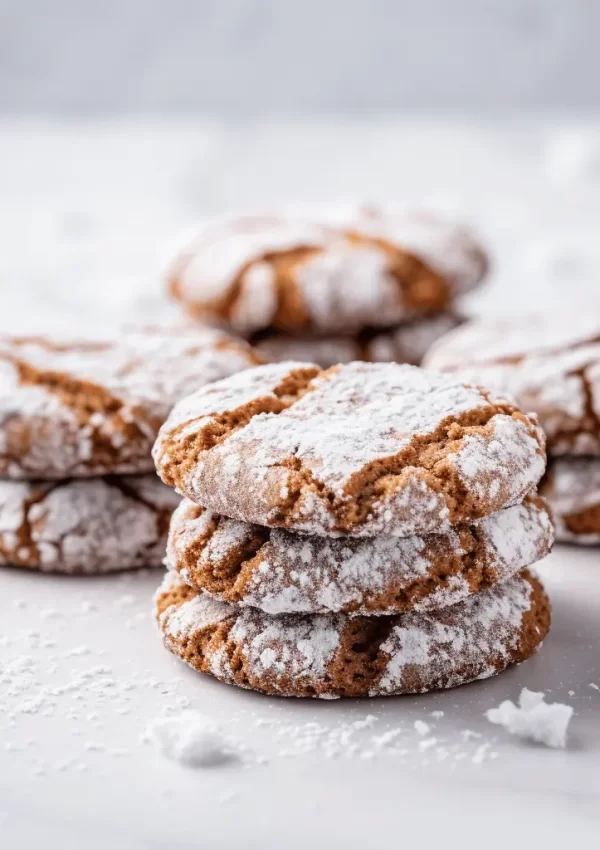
{"type": "Point", "coordinates": [549, 363]}
{"type": "Point", "coordinates": [259, 272]}
{"type": "Point", "coordinates": [280, 572]}
{"type": "Point", "coordinates": [361, 449]}
{"type": "Point", "coordinates": [572, 488]}
{"type": "Point", "coordinates": [92, 408]}
{"type": "Point", "coordinates": [406, 343]}
{"type": "Point", "coordinates": [333, 655]}
{"type": "Point", "coordinates": [96, 525]}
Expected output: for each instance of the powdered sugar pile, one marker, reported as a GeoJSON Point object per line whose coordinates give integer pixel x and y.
{"type": "Point", "coordinates": [192, 739]}
{"type": "Point", "coordinates": [533, 718]}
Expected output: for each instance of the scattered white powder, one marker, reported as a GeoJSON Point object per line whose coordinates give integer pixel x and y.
{"type": "Point", "coordinates": [421, 727]}
{"type": "Point", "coordinates": [191, 739]}
{"type": "Point", "coordinates": [533, 718]}
{"type": "Point", "coordinates": [594, 686]}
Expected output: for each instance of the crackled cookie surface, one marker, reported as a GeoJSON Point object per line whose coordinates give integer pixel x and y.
{"type": "Point", "coordinates": [333, 655]}
{"type": "Point", "coordinates": [281, 572]}
{"type": "Point", "coordinates": [572, 488]}
{"type": "Point", "coordinates": [85, 526]}
{"type": "Point", "coordinates": [374, 269]}
{"type": "Point", "coordinates": [549, 363]}
{"type": "Point", "coordinates": [90, 408]}
{"type": "Point", "coordinates": [406, 343]}
{"type": "Point", "coordinates": [361, 449]}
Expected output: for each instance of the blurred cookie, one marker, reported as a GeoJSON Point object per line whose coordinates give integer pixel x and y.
{"type": "Point", "coordinates": [406, 343]}
{"type": "Point", "coordinates": [549, 363]}
{"type": "Point", "coordinates": [376, 268]}
{"type": "Point", "coordinates": [361, 449]}
{"type": "Point", "coordinates": [571, 487]}
{"type": "Point", "coordinates": [93, 408]}
{"type": "Point", "coordinates": [339, 656]}
{"type": "Point", "coordinates": [280, 572]}
{"type": "Point", "coordinates": [97, 525]}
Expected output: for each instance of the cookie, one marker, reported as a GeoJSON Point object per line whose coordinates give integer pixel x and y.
{"type": "Point", "coordinates": [92, 408]}
{"type": "Point", "coordinates": [406, 343]}
{"type": "Point", "coordinates": [97, 525]}
{"type": "Point", "coordinates": [572, 488]}
{"type": "Point", "coordinates": [361, 449]}
{"type": "Point", "coordinates": [259, 272]}
{"type": "Point", "coordinates": [333, 655]}
{"type": "Point", "coordinates": [550, 363]}
{"type": "Point", "coordinates": [281, 572]}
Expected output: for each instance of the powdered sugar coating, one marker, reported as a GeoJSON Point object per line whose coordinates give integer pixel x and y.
{"type": "Point", "coordinates": [88, 408]}
{"type": "Point", "coordinates": [280, 572]}
{"type": "Point", "coordinates": [363, 449]}
{"type": "Point", "coordinates": [407, 343]}
{"type": "Point", "coordinates": [338, 277]}
{"type": "Point", "coordinates": [572, 489]}
{"type": "Point", "coordinates": [549, 363]}
{"type": "Point", "coordinates": [294, 655]}
{"type": "Point", "coordinates": [85, 526]}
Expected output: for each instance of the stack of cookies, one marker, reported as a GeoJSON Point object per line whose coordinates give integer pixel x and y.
{"type": "Point", "coordinates": [78, 493]}
{"type": "Point", "coordinates": [549, 363]}
{"type": "Point", "coordinates": [376, 285]}
{"type": "Point", "coordinates": [363, 530]}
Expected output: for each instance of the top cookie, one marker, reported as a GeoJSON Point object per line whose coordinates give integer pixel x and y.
{"type": "Point", "coordinates": [361, 449]}
{"type": "Point", "coordinates": [91, 408]}
{"type": "Point", "coordinates": [375, 269]}
{"type": "Point", "coordinates": [549, 363]}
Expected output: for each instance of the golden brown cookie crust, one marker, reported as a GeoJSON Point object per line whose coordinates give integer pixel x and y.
{"type": "Point", "coordinates": [281, 572]}
{"type": "Point", "coordinates": [88, 526]}
{"type": "Point", "coordinates": [258, 272]}
{"type": "Point", "coordinates": [91, 408]}
{"type": "Point", "coordinates": [338, 656]}
{"type": "Point", "coordinates": [360, 449]}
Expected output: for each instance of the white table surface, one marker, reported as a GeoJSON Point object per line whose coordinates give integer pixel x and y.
{"type": "Point", "coordinates": [86, 212]}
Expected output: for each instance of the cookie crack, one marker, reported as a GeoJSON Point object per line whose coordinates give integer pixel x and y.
{"type": "Point", "coordinates": [25, 531]}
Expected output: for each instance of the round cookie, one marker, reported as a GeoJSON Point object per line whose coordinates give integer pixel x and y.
{"type": "Point", "coordinates": [333, 655]}
{"type": "Point", "coordinates": [361, 449]}
{"type": "Point", "coordinates": [92, 408]}
{"type": "Point", "coordinates": [280, 572]}
{"type": "Point", "coordinates": [572, 488]}
{"type": "Point", "coordinates": [373, 269]}
{"type": "Point", "coordinates": [97, 525]}
{"type": "Point", "coordinates": [406, 343]}
{"type": "Point", "coordinates": [549, 363]}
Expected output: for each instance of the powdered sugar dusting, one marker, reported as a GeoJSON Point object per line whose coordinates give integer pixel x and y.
{"type": "Point", "coordinates": [474, 636]}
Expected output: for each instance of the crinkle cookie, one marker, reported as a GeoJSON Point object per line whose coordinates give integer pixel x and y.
{"type": "Point", "coordinates": [333, 655]}
{"type": "Point", "coordinates": [550, 363]}
{"type": "Point", "coordinates": [258, 272]}
{"type": "Point", "coordinates": [92, 408]}
{"type": "Point", "coordinates": [572, 488]}
{"type": "Point", "coordinates": [361, 449]}
{"type": "Point", "coordinates": [96, 525]}
{"type": "Point", "coordinates": [281, 572]}
{"type": "Point", "coordinates": [406, 343]}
